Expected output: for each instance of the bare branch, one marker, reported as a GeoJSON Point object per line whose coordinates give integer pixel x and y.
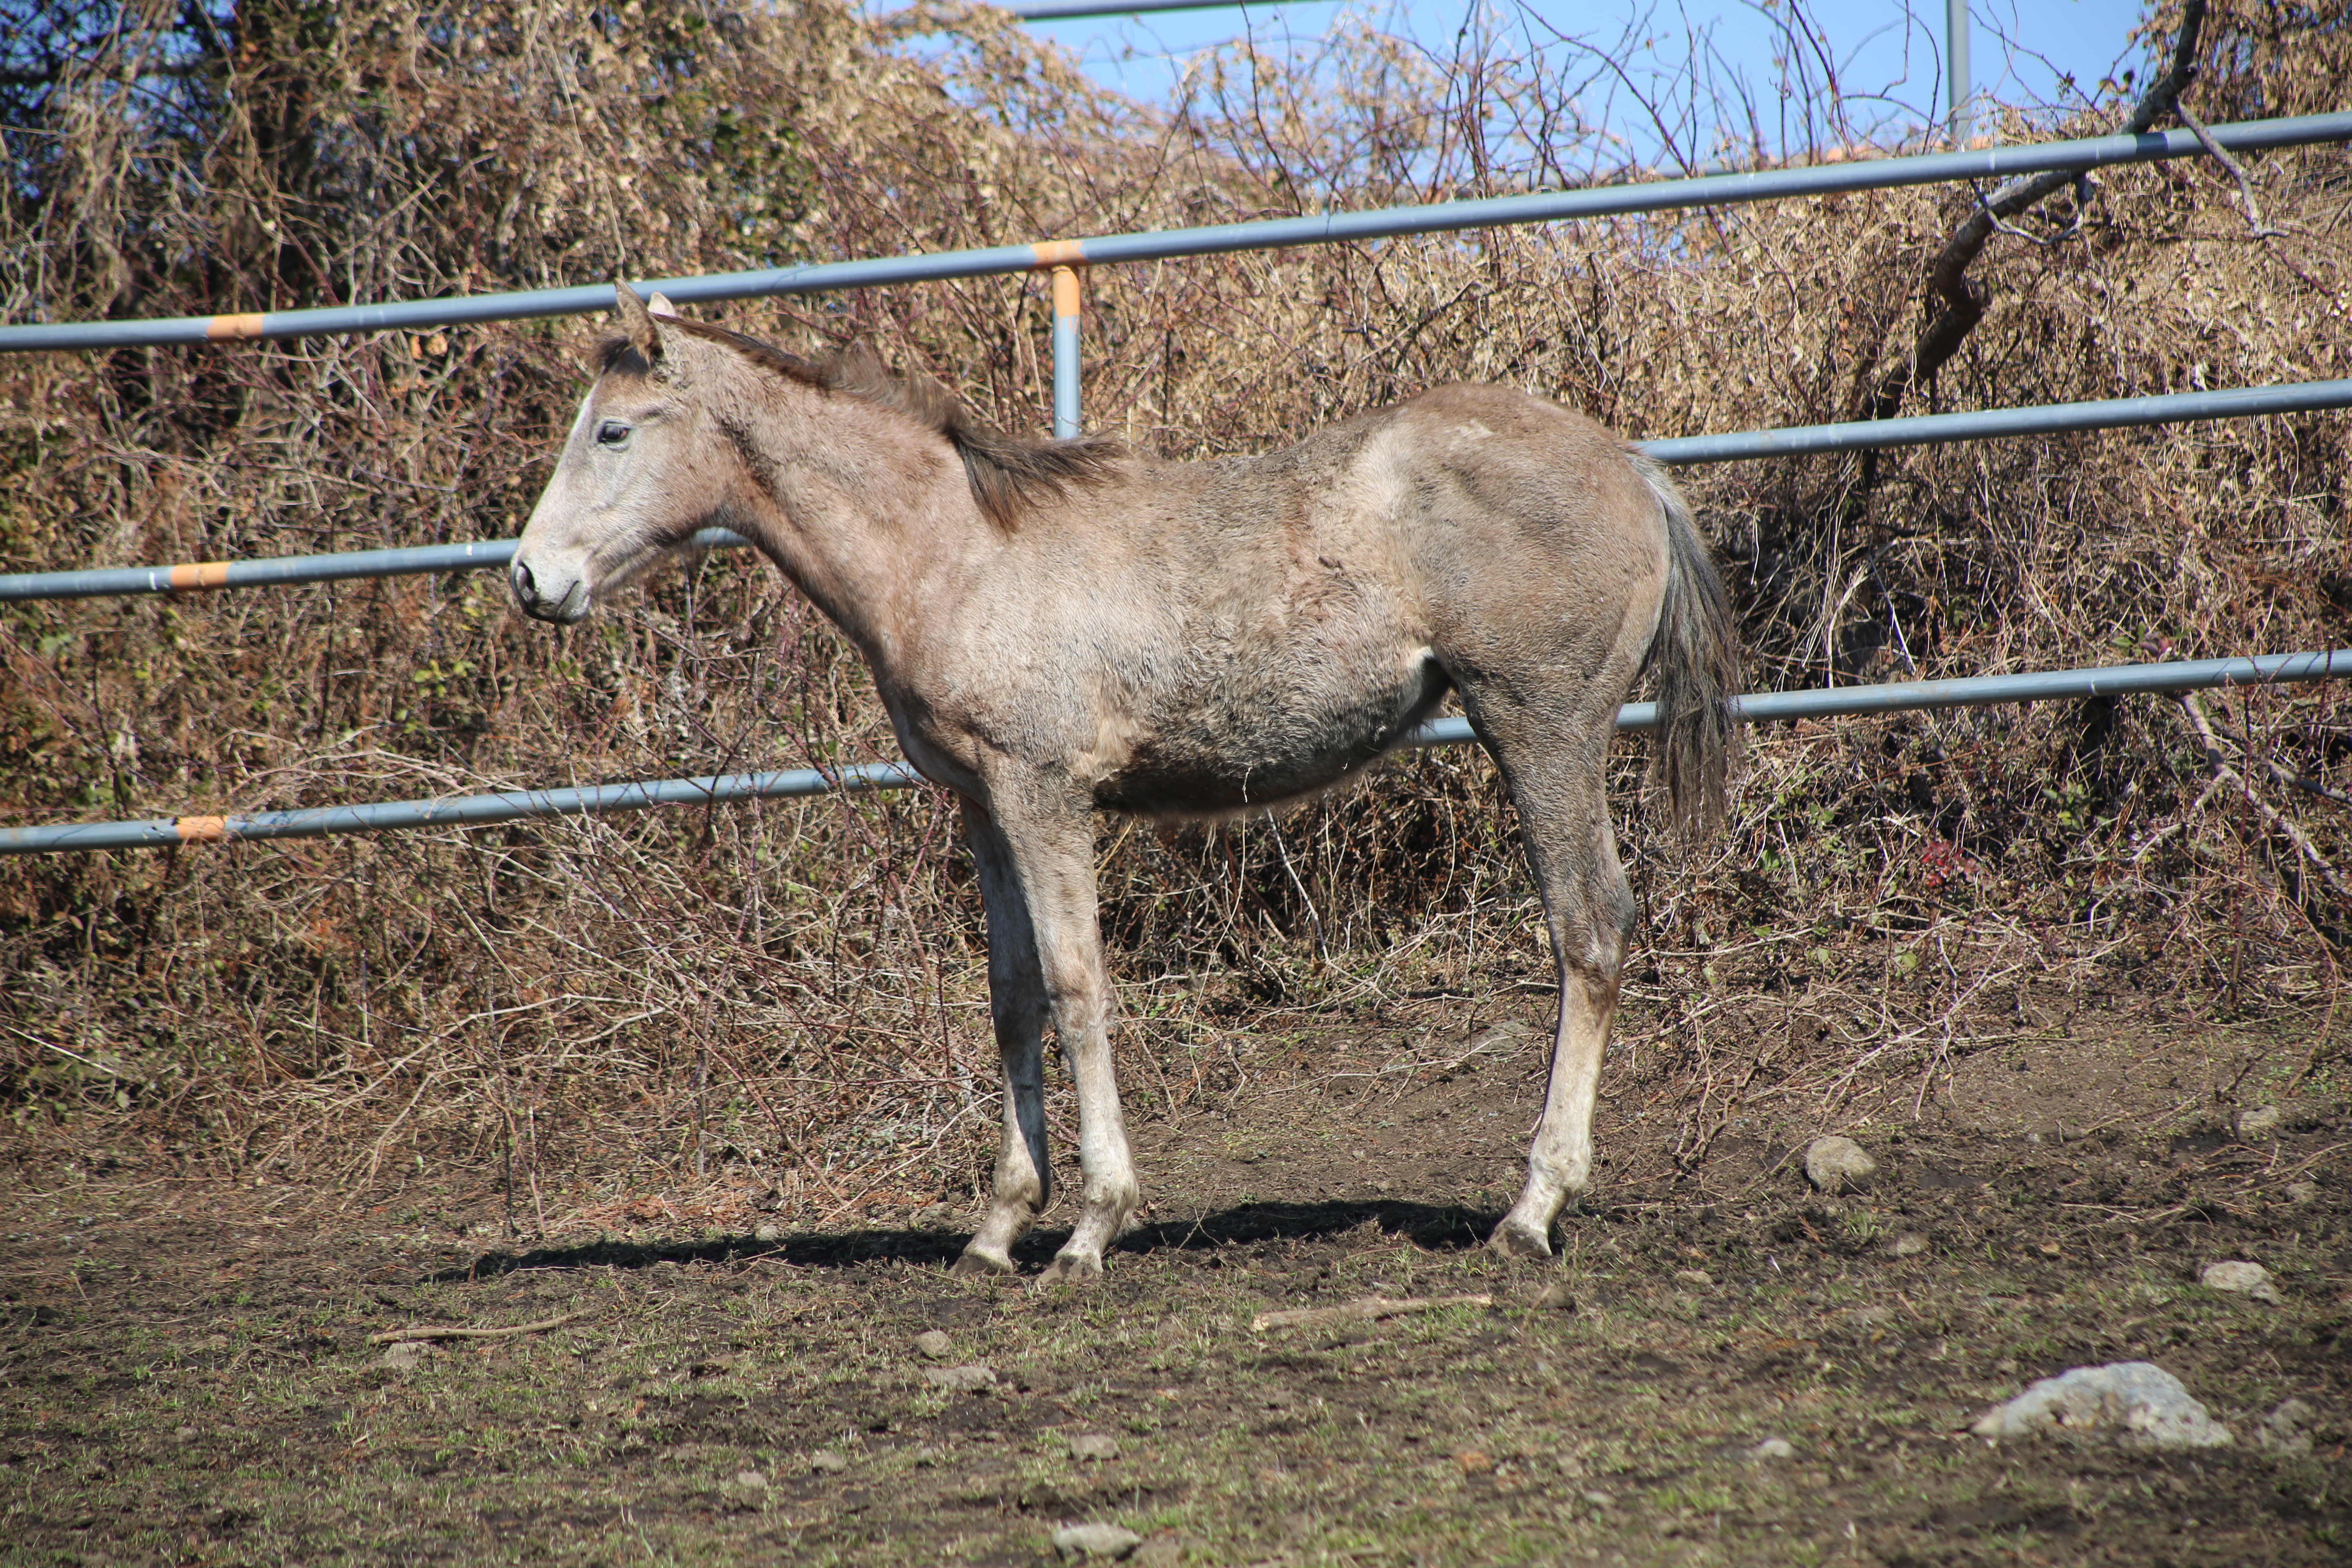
{"type": "Point", "coordinates": [2220, 155]}
{"type": "Point", "coordinates": [1963, 302]}
{"type": "Point", "coordinates": [2280, 823]}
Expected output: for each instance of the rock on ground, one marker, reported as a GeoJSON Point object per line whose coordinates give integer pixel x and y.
{"type": "Point", "coordinates": [1773, 1448]}
{"type": "Point", "coordinates": [825, 1462]}
{"type": "Point", "coordinates": [1095, 1541]}
{"type": "Point", "coordinates": [2137, 1402]}
{"type": "Point", "coordinates": [406, 1355]}
{"type": "Point", "coordinates": [935, 1344]}
{"type": "Point", "coordinates": [1093, 1446]}
{"type": "Point", "coordinates": [2240, 1278]}
{"type": "Point", "coordinates": [1837, 1165]}
{"type": "Point", "coordinates": [959, 1379]}
{"type": "Point", "coordinates": [2258, 1122]}
{"type": "Point", "coordinates": [2287, 1430]}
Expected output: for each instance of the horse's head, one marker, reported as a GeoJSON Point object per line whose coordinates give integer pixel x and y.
{"type": "Point", "coordinates": [637, 478]}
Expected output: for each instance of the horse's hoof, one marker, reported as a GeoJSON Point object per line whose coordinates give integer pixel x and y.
{"type": "Point", "coordinates": [1512, 1239]}
{"type": "Point", "coordinates": [974, 1266]}
{"type": "Point", "coordinates": [1073, 1270]}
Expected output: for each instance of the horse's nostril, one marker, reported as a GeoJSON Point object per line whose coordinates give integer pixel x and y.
{"type": "Point", "coordinates": [525, 590]}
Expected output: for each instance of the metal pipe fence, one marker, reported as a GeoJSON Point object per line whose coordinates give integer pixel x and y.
{"type": "Point", "coordinates": [1063, 259]}
{"type": "Point", "coordinates": [1067, 10]}
{"type": "Point", "coordinates": [1796, 441]}
{"type": "Point", "coordinates": [514, 806]}
{"type": "Point", "coordinates": [1265, 233]}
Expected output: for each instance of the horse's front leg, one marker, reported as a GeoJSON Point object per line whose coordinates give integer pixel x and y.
{"type": "Point", "coordinates": [1016, 1001]}
{"type": "Point", "coordinates": [1053, 849]}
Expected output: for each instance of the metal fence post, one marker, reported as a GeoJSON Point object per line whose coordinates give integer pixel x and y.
{"type": "Point", "coordinates": [1960, 85]}
{"type": "Point", "coordinates": [1065, 352]}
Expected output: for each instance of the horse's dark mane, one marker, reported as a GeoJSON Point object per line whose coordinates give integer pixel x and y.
{"type": "Point", "coordinates": [1008, 473]}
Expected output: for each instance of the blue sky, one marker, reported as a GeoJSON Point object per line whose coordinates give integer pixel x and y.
{"type": "Point", "coordinates": [1890, 52]}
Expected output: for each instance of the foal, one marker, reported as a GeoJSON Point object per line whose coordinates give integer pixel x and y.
{"type": "Point", "coordinates": [1059, 628]}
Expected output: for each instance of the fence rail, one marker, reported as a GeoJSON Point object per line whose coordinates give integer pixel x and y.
{"type": "Point", "coordinates": [1063, 258]}
{"type": "Point", "coordinates": [1067, 10]}
{"type": "Point", "coordinates": [513, 806]}
{"type": "Point", "coordinates": [1265, 233]}
{"type": "Point", "coordinates": [2041, 419]}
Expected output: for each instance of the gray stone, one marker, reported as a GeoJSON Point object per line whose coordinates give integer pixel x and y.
{"type": "Point", "coordinates": [185, 1434]}
{"type": "Point", "coordinates": [1837, 1165]}
{"type": "Point", "coordinates": [935, 1344]}
{"type": "Point", "coordinates": [1698, 1278]}
{"type": "Point", "coordinates": [1093, 1446]}
{"type": "Point", "coordinates": [2259, 1122]}
{"type": "Point", "coordinates": [1095, 1541]}
{"type": "Point", "coordinates": [2240, 1278]}
{"type": "Point", "coordinates": [751, 1480]}
{"type": "Point", "coordinates": [769, 1232]}
{"type": "Point", "coordinates": [2301, 1192]}
{"type": "Point", "coordinates": [407, 1355]}
{"type": "Point", "coordinates": [959, 1379]}
{"type": "Point", "coordinates": [1556, 1297]}
{"type": "Point", "coordinates": [1910, 1244]}
{"type": "Point", "coordinates": [1878, 1317]}
{"type": "Point", "coordinates": [1773, 1448]}
{"type": "Point", "coordinates": [1600, 1499]}
{"type": "Point", "coordinates": [825, 1462]}
{"type": "Point", "coordinates": [934, 1216]}
{"type": "Point", "coordinates": [2286, 1431]}
{"type": "Point", "coordinates": [2137, 1404]}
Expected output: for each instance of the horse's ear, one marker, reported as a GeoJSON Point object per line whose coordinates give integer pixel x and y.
{"type": "Point", "coordinates": [660, 306]}
{"type": "Point", "coordinates": [637, 323]}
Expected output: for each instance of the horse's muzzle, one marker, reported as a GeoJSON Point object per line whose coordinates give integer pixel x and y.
{"type": "Point", "coordinates": [571, 608]}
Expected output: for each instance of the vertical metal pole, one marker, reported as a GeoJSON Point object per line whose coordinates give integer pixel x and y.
{"type": "Point", "coordinates": [1065, 352]}
{"type": "Point", "coordinates": [1959, 86]}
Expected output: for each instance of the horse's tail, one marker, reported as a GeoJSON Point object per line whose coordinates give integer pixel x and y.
{"type": "Point", "coordinates": [1695, 653]}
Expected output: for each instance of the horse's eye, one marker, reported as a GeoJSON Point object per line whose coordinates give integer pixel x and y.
{"type": "Point", "coordinates": [612, 433]}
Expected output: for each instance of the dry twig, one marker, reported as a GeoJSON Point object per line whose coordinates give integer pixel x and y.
{"type": "Point", "coordinates": [2224, 772]}
{"type": "Point", "coordinates": [411, 1336]}
{"type": "Point", "coordinates": [1371, 1309]}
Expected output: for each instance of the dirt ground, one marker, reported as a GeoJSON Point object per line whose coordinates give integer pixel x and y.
{"type": "Point", "coordinates": [190, 1373]}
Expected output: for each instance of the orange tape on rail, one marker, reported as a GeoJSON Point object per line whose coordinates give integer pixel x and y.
{"type": "Point", "coordinates": [1059, 253]}
{"type": "Point", "coordinates": [200, 574]}
{"type": "Point", "coordinates": [202, 829]}
{"type": "Point", "coordinates": [232, 329]}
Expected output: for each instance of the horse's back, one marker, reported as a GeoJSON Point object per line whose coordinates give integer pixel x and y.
{"type": "Point", "coordinates": [1286, 619]}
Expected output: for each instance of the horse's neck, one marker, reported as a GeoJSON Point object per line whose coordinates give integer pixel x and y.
{"type": "Point", "coordinates": [838, 513]}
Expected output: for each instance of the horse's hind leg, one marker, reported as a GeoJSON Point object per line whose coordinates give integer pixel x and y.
{"type": "Point", "coordinates": [1017, 1000]}
{"type": "Point", "coordinates": [1555, 773]}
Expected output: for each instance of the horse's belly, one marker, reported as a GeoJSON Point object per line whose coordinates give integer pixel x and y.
{"type": "Point", "coordinates": [1227, 745]}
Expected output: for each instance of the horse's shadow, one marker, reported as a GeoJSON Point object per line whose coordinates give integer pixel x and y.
{"type": "Point", "coordinates": [1438, 1227]}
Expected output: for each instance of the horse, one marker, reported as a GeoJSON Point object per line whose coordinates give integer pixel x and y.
{"type": "Point", "coordinates": [1064, 628]}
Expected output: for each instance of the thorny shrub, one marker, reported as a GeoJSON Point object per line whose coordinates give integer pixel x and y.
{"type": "Point", "coordinates": [790, 995]}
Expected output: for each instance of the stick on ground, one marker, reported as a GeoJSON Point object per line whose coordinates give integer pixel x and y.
{"type": "Point", "coordinates": [1370, 1310]}
{"type": "Point", "coordinates": [406, 1336]}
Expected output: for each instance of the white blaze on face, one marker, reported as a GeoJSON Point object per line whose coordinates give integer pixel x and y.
{"type": "Point", "coordinates": [579, 420]}
{"type": "Point", "coordinates": [545, 577]}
